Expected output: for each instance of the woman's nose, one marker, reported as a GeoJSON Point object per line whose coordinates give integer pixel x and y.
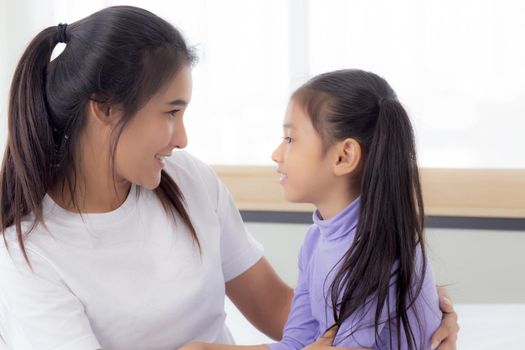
{"type": "Point", "coordinates": [179, 139]}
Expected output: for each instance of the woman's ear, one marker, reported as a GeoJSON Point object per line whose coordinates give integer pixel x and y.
{"type": "Point", "coordinates": [103, 114]}
{"type": "Point", "coordinates": [348, 153]}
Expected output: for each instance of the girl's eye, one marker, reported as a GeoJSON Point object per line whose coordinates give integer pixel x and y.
{"type": "Point", "coordinates": [172, 113]}
{"type": "Point", "coordinates": [288, 139]}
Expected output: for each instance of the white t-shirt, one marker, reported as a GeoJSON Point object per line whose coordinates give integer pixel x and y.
{"type": "Point", "coordinates": [128, 279]}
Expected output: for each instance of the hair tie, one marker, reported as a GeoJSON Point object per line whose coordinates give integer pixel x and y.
{"type": "Point", "coordinates": [61, 33]}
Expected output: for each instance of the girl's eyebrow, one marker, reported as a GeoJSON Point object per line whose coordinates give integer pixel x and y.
{"type": "Point", "coordinates": [288, 126]}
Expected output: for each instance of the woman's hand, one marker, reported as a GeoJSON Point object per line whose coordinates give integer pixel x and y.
{"type": "Point", "coordinates": [193, 346]}
{"type": "Point", "coordinates": [447, 334]}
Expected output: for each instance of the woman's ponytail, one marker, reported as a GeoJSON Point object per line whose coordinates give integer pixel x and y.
{"type": "Point", "coordinates": [27, 165]}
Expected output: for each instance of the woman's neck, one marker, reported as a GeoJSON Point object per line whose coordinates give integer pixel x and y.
{"type": "Point", "coordinates": [90, 196]}
{"type": "Point", "coordinates": [95, 190]}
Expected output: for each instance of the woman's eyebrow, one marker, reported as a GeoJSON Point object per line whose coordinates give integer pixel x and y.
{"type": "Point", "coordinates": [177, 103]}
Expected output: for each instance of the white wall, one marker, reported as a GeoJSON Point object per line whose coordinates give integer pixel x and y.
{"type": "Point", "coordinates": [455, 64]}
{"type": "Point", "coordinates": [478, 266]}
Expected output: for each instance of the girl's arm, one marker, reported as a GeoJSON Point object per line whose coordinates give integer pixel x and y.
{"type": "Point", "coordinates": [263, 298]}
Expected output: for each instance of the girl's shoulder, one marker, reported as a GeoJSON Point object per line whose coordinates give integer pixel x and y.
{"type": "Point", "coordinates": [310, 242]}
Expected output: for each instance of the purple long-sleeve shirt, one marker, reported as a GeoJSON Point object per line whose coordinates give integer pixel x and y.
{"type": "Point", "coordinates": [311, 315]}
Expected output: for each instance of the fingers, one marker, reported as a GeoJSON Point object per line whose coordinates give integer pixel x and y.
{"type": "Point", "coordinates": [331, 333]}
{"type": "Point", "coordinates": [446, 335]}
{"type": "Point", "coordinates": [447, 344]}
{"type": "Point", "coordinates": [445, 304]}
{"type": "Point", "coordinates": [328, 337]}
{"type": "Point", "coordinates": [442, 292]}
{"type": "Point", "coordinates": [450, 320]}
{"type": "Point", "coordinates": [438, 337]}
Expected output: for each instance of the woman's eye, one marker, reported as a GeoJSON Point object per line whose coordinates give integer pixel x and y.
{"type": "Point", "coordinates": [171, 114]}
{"type": "Point", "coordinates": [288, 139]}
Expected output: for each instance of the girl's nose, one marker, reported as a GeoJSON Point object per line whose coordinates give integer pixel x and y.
{"type": "Point", "coordinates": [277, 154]}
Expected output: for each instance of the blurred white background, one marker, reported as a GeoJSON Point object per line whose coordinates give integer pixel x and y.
{"type": "Point", "coordinates": [458, 66]}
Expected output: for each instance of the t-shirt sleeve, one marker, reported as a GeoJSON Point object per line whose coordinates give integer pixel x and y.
{"type": "Point", "coordinates": [239, 250]}
{"type": "Point", "coordinates": [37, 310]}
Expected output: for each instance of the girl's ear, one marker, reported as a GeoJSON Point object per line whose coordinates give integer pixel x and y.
{"type": "Point", "coordinates": [348, 157]}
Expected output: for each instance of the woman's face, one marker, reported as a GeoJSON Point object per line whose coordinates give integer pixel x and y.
{"type": "Point", "coordinates": [153, 132]}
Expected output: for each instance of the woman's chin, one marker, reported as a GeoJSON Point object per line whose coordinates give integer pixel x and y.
{"type": "Point", "coordinates": [150, 183]}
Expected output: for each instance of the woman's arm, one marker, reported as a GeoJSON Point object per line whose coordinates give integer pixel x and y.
{"type": "Point", "coordinates": [208, 346]}
{"type": "Point", "coordinates": [262, 297]}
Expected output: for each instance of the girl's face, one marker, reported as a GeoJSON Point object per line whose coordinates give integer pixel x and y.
{"type": "Point", "coordinates": [305, 171]}
{"type": "Point", "coordinates": [153, 132]}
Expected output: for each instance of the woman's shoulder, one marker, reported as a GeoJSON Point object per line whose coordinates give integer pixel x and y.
{"type": "Point", "coordinates": [186, 166]}
{"type": "Point", "coordinates": [12, 256]}
{"type": "Point", "coordinates": [193, 176]}
{"type": "Point", "coordinates": [27, 228]}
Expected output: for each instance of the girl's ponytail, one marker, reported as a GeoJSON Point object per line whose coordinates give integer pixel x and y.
{"type": "Point", "coordinates": [392, 211]}
{"type": "Point", "coordinates": [27, 165]}
{"type": "Point", "coordinates": [389, 230]}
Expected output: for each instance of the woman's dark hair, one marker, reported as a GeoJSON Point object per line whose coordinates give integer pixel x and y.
{"type": "Point", "coordinates": [361, 105]}
{"type": "Point", "coordinates": [118, 56]}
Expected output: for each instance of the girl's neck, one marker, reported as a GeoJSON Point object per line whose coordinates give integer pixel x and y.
{"type": "Point", "coordinates": [334, 204]}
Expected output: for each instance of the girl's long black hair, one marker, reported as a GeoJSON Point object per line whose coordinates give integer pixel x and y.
{"type": "Point", "coordinates": [361, 105]}
{"type": "Point", "coordinates": [120, 55]}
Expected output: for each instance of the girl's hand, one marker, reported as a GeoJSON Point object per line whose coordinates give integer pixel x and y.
{"type": "Point", "coordinates": [325, 342]}
{"type": "Point", "coordinates": [447, 334]}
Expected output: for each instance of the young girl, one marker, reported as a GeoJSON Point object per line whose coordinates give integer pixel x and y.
{"type": "Point", "coordinates": [363, 273]}
{"type": "Point", "coordinates": [349, 150]}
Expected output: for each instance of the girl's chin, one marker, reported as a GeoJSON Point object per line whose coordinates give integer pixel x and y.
{"type": "Point", "coordinates": [293, 197]}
